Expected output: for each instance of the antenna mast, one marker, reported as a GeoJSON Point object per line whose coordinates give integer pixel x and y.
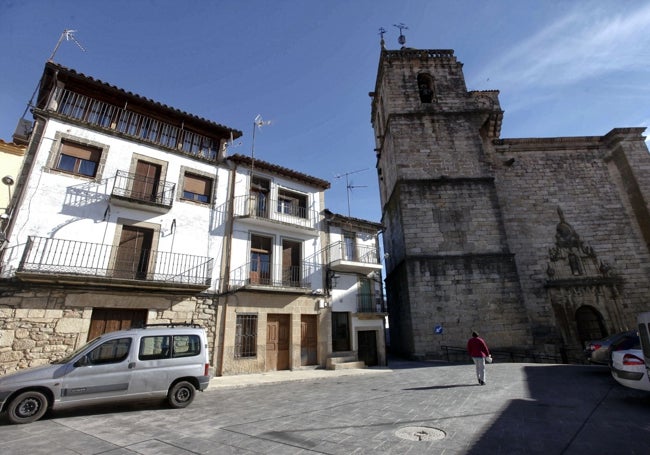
{"type": "Point", "coordinates": [348, 185]}
{"type": "Point", "coordinates": [257, 123]}
{"type": "Point", "coordinates": [68, 35]}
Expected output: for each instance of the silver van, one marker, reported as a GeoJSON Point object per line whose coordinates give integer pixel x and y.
{"type": "Point", "coordinates": [169, 361]}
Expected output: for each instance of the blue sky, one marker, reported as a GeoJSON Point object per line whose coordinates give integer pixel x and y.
{"type": "Point", "coordinates": [564, 68]}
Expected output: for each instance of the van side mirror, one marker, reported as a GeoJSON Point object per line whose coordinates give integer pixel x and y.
{"type": "Point", "coordinates": [82, 362]}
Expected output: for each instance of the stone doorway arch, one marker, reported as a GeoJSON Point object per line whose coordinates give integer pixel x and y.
{"type": "Point", "coordinates": [590, 324]}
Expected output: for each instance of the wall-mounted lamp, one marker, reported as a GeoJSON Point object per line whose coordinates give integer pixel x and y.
{"type": "Point", "coordinates": [332, 278]}
{"type": "Point", "coordinates": [9, 181]}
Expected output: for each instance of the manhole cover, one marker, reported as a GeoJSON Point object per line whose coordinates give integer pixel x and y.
{"type": "Point", "coordinates": [420, 434]}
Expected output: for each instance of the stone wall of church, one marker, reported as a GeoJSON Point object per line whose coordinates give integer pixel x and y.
{"type": "Point", "coordinates": [535, 178]}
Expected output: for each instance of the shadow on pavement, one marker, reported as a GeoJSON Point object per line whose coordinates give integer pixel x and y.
{"type": "Point", "coordinates": [439, 387]}
{"type": "Point", "coordinates": [572, 409]}
{"type": "Point", "coordinates": [99, 409]}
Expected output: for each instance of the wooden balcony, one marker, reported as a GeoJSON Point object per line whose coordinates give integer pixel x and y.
{"type": "Point", "coordinates": [115, 119]}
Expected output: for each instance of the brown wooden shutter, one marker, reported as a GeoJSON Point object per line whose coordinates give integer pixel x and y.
{"type": "Point", "coordinates": [80, 151]}
{"type": "Point", "coordinates": [197, 185]}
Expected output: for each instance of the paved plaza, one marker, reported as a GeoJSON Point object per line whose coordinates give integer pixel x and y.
{"type": "Point", "coordinates": [408, 408]}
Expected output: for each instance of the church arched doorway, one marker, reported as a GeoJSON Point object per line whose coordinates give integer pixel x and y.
{"type": "Point", "coordinates": [590, 324]}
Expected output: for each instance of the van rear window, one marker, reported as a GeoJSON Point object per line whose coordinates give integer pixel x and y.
{"type": "Point", "coordinates": [166, 346]}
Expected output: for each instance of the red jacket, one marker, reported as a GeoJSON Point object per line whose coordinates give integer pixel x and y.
{"type": "Point", "coordinates": [477, 347]}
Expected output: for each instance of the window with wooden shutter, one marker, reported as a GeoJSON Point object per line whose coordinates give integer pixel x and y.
{"type": "Point", "coordinates": [197, 188]}
{"type": "Point", "coordinates": [78, 159]}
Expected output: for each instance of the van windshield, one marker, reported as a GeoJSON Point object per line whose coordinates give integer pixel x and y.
{"type": "Point", "coordinates": [70, 356]}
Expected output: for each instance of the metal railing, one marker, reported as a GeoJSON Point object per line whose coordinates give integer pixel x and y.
{"type": "Point", "coordinates": [458, 354]}
{"type": "Point", "coordinates": [273, 275]}
{"type": "Point", "coordinates": [71, 257]}
{"type": "Point", "coordinates": [133, 124]}
{"type": "Point", "coordinates": [275, 210]}
{"type": "Point", "coordinates": [368, 303]}
{"type": "Point", "coordinates": [144, 189]}
{"type": "Point", "coordinates": [353, 252]}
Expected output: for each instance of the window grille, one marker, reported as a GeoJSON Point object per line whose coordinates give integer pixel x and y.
{"type": "Point", "coordinates": [246, 336]}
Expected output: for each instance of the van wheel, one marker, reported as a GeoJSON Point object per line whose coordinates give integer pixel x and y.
{"type": "Point", "coordinates": [180, 394]}
{"type": "Point", "coordinates": [27, 407]}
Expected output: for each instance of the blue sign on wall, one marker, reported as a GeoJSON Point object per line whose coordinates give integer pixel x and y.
{"type": "Point", "coordinates": [438, 329]}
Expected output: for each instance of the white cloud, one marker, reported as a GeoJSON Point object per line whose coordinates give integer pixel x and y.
{"type": "Point", "coordinates": [581, 45]}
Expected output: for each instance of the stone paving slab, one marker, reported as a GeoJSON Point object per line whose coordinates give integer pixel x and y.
{"type": "Point", "coordinates": [524, 408]}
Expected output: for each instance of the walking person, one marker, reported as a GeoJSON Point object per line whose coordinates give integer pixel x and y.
{"type": "Point", "coordinates": [478, 350]}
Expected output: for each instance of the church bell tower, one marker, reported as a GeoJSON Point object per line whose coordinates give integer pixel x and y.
{"type": "Point", "coordinates": [448, 266]}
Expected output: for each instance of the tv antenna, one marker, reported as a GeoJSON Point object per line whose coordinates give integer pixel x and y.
{"type": "Point", "coordinates": [402, 38]}
{"type": "Point", "coordinates": [258, 122]}
{"type": "Point", "coordinates": [349, 185]}
{"type": "Point", "coordinates": [69, 36]}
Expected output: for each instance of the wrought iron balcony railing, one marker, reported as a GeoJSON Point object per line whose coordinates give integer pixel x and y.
{"type": "Point", "coordinates": [114, 118]}
{"type": "Point", "coordinates": [48, 256]}
{"type": "Point", "coordinates": [272, 275]}
{"type": "Point", "coordinates": [143, 189]}
{"type": "Point", "coordinates": [275, 210]}
{"type": "Point", "coordinates": [353, 252]}
{"type": "Point", "coordinates": [368, 303]}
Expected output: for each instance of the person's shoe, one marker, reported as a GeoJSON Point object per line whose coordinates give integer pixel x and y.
{"type": "Point", "coordinates": [481, 382]}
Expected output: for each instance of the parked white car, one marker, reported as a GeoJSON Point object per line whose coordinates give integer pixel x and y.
{"type": "Point", "coordinates": [643, 323]}
{"type": "Point", "coordinates": [153, 362]}
{"type": "Point", "coordinates": [628, 368]}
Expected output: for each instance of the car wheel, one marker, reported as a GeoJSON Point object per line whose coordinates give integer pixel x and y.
{"type": "Point", "coordinates": [27, 407]}
{"type": "Point", "coordinates": [180, 394]}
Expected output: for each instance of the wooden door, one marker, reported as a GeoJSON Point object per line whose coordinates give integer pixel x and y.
{"type": "Point", "coordinates": [364, 297]}
{"type": "Point", "coordinates": [290, 263]}
{"type": "Point", "coordinates": [258, 197]}
{"type": "Point", "coordinates": [146, 181]}
{"type": "Point", "coordinates": [308, 339]}
{"type": "Point", "coordinates": [260, 265]}
{"type": "Point", "coordinates": [340, 331]}
{"type": "Point", "coordinates": [277, 342]}
{"type": "Point", "coordinates": [104, 320]}
{"type": "Point", "coordinates": [133, 253]}
{"type": "Point", "coordinates": [367, 342]}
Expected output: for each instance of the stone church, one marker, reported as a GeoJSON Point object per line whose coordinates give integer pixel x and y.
{"type": "Point", "coordinates": [539, 244]}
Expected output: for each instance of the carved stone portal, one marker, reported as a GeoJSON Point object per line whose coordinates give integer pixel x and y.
{"type": "Point", "coordinates": [578, 284]}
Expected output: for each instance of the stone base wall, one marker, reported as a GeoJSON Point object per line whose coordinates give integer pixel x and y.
{"type": "Point", "coordinates": [41, 326]}
{"type": "Point", "coordinates": [263, 305]}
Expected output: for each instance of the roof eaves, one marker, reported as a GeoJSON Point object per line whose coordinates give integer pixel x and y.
{"type": "Point", "coordinates": [70, 72]}
{"type": "Point", "coordinates": [260, 164]}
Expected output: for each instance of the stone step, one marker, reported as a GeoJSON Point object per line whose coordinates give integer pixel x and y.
{"type": "Point", "coordinates": [348, 365]}
{"type": "Point", "coordinates": [342, 359]}
{"type": "Point", "coordinates": [345, 361]}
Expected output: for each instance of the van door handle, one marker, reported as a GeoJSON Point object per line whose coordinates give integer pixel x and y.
{"type": "Point", "coordinates": [131, 365]}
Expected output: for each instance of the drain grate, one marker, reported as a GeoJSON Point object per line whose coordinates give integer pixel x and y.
{"type": "Point", "coordinates": [420, 434]}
